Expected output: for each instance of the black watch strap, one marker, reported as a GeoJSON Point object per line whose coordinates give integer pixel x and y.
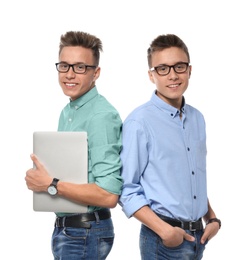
{"type": "Point", "coordinates": [54, 182]}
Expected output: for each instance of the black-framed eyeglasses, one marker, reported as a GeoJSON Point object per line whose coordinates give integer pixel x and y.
{"type": "Point", "coordinates": [79, 68]}
{"type": "Point", "coordinates": [164, 69]}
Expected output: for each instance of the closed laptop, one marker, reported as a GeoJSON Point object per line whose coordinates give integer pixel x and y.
{"type": "Point", "coordinates": [65, 156]}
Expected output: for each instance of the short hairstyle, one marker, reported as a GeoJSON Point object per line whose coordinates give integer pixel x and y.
{"type": "Point", "coordinates": [83, 39]}
{"type": "Point", "coordinates": [163, 42]}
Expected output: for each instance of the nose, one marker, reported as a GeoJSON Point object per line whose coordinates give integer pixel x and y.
{"type": "Point", "coordinates": [70, 73]}
{"type": "Point", "coordinates": [172, 74]}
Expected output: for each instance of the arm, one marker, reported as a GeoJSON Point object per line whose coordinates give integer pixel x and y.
{"type": "Point", "coordinates": [38, 180]}
{"type": "Point", "coordinates": [89, 194]}
{"type": "Point", "coordinates": [105, 182]}
{"type": "Point", "coordinates": [211, 229]}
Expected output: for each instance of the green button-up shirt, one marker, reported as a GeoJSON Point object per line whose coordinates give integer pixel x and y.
{"type": "Point", "coordinates": [93, 114]}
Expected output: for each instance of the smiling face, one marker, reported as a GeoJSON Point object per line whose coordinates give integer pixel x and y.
{"type": "Point", "coordinates": [171, 87]}
{"type": "Point", "coordinates": [75, 85]}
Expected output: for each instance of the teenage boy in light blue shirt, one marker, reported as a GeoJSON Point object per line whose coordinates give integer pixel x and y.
{"type": "Point", "coordinates": [164, 162]}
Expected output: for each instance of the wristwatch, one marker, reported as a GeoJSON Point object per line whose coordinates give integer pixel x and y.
{"type": "Point", "coordinates": [52, 189]}
{"type": "Point", "coordinates": [214, 220]}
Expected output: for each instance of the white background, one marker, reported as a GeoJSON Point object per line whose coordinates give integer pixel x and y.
{"type": "Point", "coordinates": [31, 99]}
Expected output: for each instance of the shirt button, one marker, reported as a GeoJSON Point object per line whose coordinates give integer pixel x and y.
{"type": "Point", "coordinates": [193, 173]}
{"type": "Point", "coordinates": [194, 197]}
{"type": "Point", "coordinates": [188, 148]}
{"type": "Point", "coordinates": [70, 119]}
{"type": "Point", "coordinates": [171, 114]}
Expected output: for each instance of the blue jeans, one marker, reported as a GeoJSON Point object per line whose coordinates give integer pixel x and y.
{"type": "Point", "coordinates": [152, 247]}
{"type": "Point", "coordinates": [93, 243]}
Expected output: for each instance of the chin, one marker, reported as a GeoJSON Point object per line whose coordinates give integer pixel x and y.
{"type": "Point", "coordinates": [70, 95]}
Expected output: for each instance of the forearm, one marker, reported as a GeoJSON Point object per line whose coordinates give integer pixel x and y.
{"type": "Point", "coordinates": [88, 194]}
{"type": "Point", "coordinates": [146, 216]}
{"type": "Point", "coordinates": [210, 213]}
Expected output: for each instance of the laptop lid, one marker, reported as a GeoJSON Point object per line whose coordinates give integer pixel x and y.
{"type": "Point", "coordinates": [65, 156]}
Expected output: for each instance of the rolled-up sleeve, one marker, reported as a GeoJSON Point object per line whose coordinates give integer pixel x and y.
{"type": "Point", "coordinates": [105, 143]}
{"type": "Point", "coordinates": [134, 156]}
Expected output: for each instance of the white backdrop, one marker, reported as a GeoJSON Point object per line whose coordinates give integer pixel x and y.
{"type": "Point", "coordinates": [31, 99]}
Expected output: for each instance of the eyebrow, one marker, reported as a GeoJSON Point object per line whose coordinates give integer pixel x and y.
{"type": "Point", "coordinates": [164, 64]}
{"type": "Point", "coordinates": [79, 62]}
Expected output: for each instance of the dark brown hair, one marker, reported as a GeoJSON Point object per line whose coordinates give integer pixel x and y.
{"type": "Point", "coordinates": [163, 42]}
{"type": "Point", "coordinates": [83, 39]}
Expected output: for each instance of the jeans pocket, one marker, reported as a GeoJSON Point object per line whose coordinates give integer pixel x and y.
{"type": "Point", "coordinates": [74, 233]}
{"type": "Point", "coordinates": [105, 246]}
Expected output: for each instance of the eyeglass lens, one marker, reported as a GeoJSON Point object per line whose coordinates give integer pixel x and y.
{"type": "Point", "coordinates": [165, 69]}
{"type": "Point", "coordinates": [77, 68]}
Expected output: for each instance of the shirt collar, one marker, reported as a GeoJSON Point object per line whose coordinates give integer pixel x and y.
{"type": "Point", "coordinates": [79, 102]}
{"type": "Point", "coordinates": [173, 111]}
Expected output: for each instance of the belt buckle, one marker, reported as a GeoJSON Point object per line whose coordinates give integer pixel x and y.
{"type": "Point", "coordinates": [191, 226]}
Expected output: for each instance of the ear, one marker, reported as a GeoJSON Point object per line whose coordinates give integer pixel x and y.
{"type": "Point", "coordinates": [190, 69]}
{"type": "Point", "coordinates": [150, 74]}
{"type": "Point", "coordinates": [96, 73]}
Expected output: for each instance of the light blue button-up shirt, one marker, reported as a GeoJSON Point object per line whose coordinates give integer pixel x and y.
{"type": "Point", "coordinates": [164, 161]}
{"type": "Point", "coordinates": [93, 114]}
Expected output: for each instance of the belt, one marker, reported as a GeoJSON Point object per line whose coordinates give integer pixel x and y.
{"type": "Point", "coordinates": [190, 225]}
{"type": "Point", "coordinates": [82, 220]}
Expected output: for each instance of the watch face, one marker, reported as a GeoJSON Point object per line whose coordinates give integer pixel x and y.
{"type": "Point", "coordinates": [52, 190]}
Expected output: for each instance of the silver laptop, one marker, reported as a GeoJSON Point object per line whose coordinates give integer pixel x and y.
{"type": "Point", "coordinates": [65, 156]}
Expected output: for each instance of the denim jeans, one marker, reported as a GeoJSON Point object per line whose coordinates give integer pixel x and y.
{"type": "Point", "coordinates": [94, 243]}
{"type": "Point", "coordinates": [152, 247]}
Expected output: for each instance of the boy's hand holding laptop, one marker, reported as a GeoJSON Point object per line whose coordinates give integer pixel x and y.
{"type": "Point", "coordinates": [38, 178]}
